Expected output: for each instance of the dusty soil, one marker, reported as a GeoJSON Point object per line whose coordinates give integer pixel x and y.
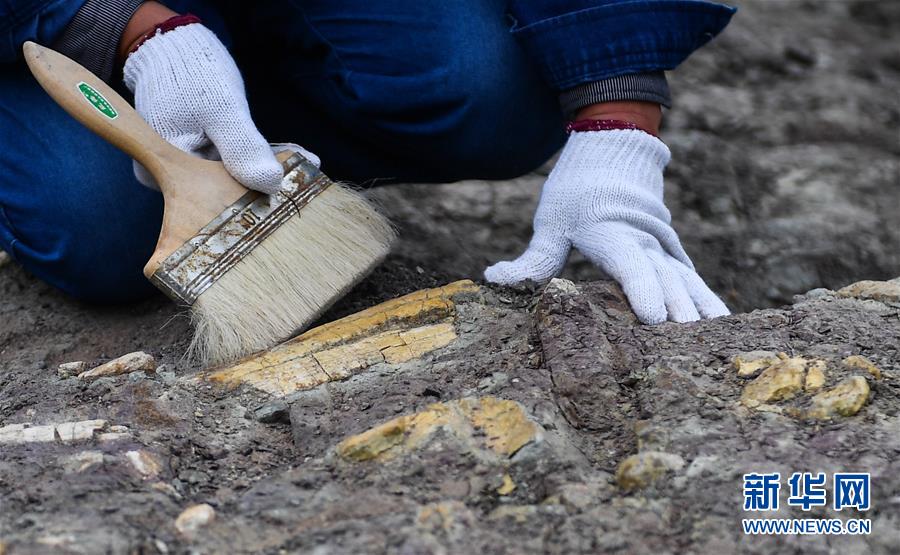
{"type": "Point", "coordinates": [785, 174]}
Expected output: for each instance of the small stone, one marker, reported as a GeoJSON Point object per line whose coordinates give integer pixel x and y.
{"type": "Point", "coordinates": [508, 485]}
{"type": "Point", "coordinates": [559, 286]}
{"type": "Point", "coordinates": [861, 362]}
{"type": "Point", "coordinates": [193, 518]}
{"type": "Point", "coordinates": [69, 369]}
{"type": "Point", "coordinates": [844, 399]}
{"type": "Point", "coordinates": [779, 382]}
{"type": "Point", "coordinates": [4, 260]}
{"type": "Point", "coordinates": [815, 376]}
{"type": "Point", "coordinates": [64, 431]}
{"type": "Point", "coordinates": [138, 361]}
{"type": "Point", "coordinates": [752, 363]}
{"type": "Point", "coordinates": [641, 470]}
{"type": "Point", "coordinates": [25, 433]}
{"type": "Point", "coordinates": [108, 437]}
{"type": "Point", "coordinates": [79, 462]}
{"type": "Point", "coordinates": [883, 291]}
{"type": "Point", "coordinates": [77, 431]}
{"type": "Point", "coordinates": [275, 411]}
{"type": "Point", "coordinates": [144, 462]}
{"type": "Point", "coordinates": [818, 293]}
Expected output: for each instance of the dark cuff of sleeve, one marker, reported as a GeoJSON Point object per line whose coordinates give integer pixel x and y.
{"type": "Point", "coordinates": [92, 37]}
{"type": "Point", "coordinates": [649, 87]}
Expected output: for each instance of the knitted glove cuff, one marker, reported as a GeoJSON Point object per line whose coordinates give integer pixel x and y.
{"type": "Point", "coordinates": [603, 125]}
{"type": "Point", "coordinates": [164, 27]}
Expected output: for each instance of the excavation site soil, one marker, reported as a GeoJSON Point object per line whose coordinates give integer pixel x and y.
{"type": "Point", "coordinates": [459, 417]}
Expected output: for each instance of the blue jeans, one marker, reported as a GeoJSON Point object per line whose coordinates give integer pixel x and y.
{"type": "Point", "coordinates": [396, 91]}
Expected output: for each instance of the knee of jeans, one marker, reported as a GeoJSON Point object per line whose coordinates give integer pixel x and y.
{"type": "Point", "coordinates": [89, 235]}
{"type": "Point", "coordinates": [71, 211]}
{"type": "Point", "coordinates": [92, 262]}
{"type": "Point", "coordinates": [485, 111]}
{"type": "Point", "coordinates": [108, 272]}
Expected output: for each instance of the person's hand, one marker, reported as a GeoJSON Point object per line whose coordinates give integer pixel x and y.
{"type": "Point", "coordinates": [605, 198]}
{"type": "Point", "coordinates": [188, 88]}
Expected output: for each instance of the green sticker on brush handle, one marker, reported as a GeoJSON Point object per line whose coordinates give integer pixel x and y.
{"type": "Point", "coordinates": [97, 100]}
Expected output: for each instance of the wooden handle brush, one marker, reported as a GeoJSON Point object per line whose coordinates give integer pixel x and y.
{"type": "Point", "coordinates": [255, 269]}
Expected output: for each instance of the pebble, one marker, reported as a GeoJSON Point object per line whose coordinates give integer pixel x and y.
{"type": "Point", "coordinates": [107, 437]}
{"type": "Point", "coordinates": [193, 518]}
{"type": "Point", "coordinates": [144, 462]}
{"type": "Point", "coordinates": [844, 399]}
{"type": "Point", "coordinates": [779, 382]}
{"type": "Point", "coordinates": [81, 461]}
{"type": "Point", "coordinates": [862, 363]}
{"type": "Point", "coordinates": [641, 470]}
{"type": "Point", "coordinates": [69, 369]}
{"type": "Point", "coordinates": [818, 293]}
{"type": "Point", "coordinates": [63, 431]}
{"type": "Point", "coordinates": [752, 363]}
{"type": "Point", "coordinates": [275, 411]}
{"type": "Point", "coordinates": [138, 361]}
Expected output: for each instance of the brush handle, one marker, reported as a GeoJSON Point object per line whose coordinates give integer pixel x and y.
{"type": "Point", "coordinates": [195, 190]}
{"type": "Point", "coordinates": [96, 105]}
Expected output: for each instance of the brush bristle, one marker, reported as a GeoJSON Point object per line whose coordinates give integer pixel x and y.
{"type": "Point", "coordinates": [291, 278]}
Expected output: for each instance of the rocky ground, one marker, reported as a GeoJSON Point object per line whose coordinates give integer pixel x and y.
{"type": "Point", "coordinates": [473, 419]}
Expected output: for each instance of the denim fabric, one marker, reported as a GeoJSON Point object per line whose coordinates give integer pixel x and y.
{"type": "Point", "coordinates": [397, 91]}
{"type": "Point", "coordinates": [389, 91]}
{"type": "Point", "coordinates": [579, 41]}
{"type": "Point", "coordinates": [41, 21]}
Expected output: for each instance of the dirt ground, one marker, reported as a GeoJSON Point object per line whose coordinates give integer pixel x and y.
{"type": "Point", "coordinates": [785, 178]}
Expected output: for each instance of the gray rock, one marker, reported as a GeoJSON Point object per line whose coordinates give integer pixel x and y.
{"type": "Point", "coordinates": [70, 369]}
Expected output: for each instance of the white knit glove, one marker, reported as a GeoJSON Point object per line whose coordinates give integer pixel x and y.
{"type": "Point", "coordinates": [188, 88]}
{"type": "Point", "coordinates": [605, 198]}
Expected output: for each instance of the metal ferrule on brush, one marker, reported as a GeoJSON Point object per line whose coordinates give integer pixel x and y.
{"type": "Point", "coordinates": [223, 242]}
